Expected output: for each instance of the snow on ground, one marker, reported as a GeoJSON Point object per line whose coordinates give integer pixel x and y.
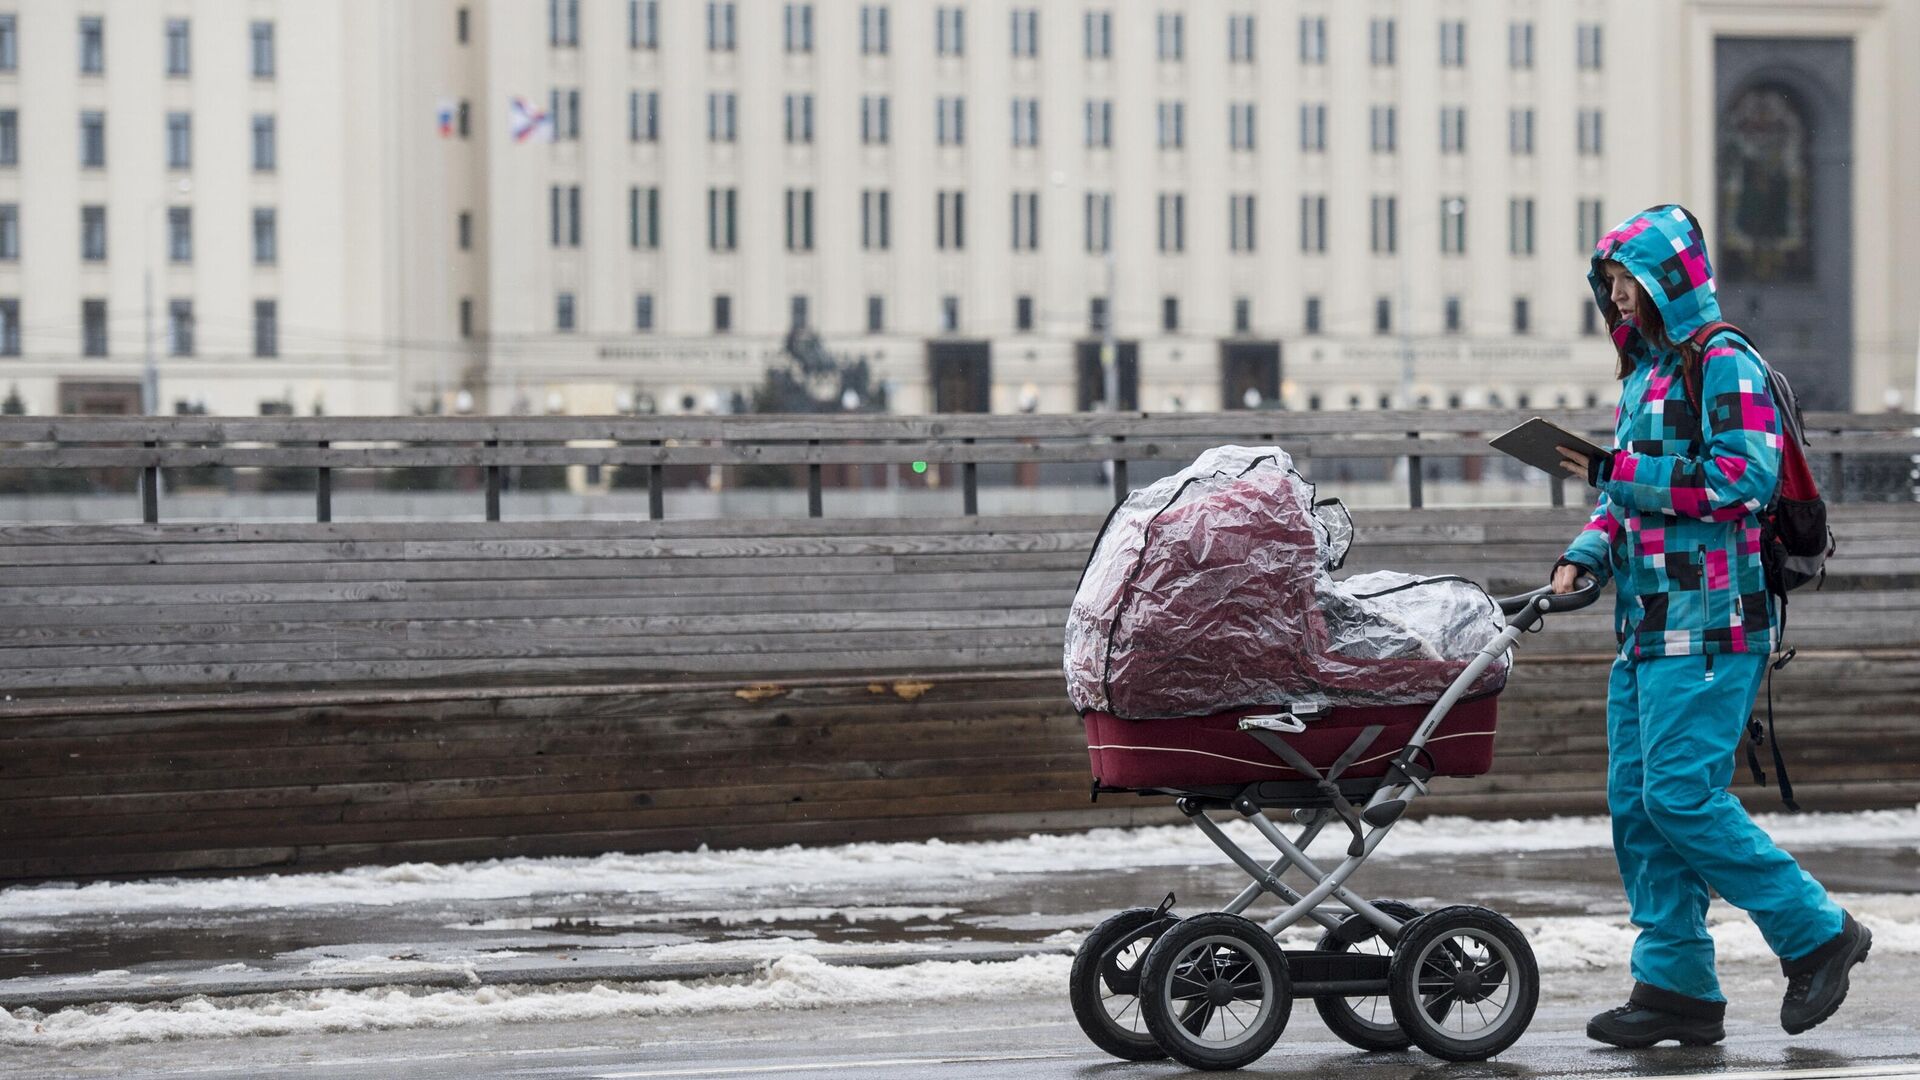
{"type": "Point", "coordinates": [691, 873]}
{"type": "Point", "coordinates": [728, 917]}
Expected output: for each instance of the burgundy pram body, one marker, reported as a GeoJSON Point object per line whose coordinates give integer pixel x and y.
{"type": "Point", "coordinates": [1210, 598]}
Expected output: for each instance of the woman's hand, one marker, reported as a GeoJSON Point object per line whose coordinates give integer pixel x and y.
{"type": "Point", "coordinates": [1576, 464]}
{"type": "Point", "coordinates": [1564, 577]}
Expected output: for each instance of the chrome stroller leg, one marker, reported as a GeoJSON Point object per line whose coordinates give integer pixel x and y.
{"type": "Point", "coordinates": [1265, 878]}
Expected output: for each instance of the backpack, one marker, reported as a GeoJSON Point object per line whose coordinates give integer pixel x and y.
{"type": "Point", "coordinates": [1795, 541]}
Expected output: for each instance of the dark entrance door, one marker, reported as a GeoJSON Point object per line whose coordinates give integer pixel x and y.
{"type": "Point", "coordinates": [1092, 382]}
{"type": "Point", "coordinates": [1783, 246]}
{"type": "Point", "coordinates": [1249, 365]}
{"type": "Point", "coordinates": [962, 376]}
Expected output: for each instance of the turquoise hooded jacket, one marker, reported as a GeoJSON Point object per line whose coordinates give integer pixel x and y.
{"type": "Point", "coordinates": [1676, 524]}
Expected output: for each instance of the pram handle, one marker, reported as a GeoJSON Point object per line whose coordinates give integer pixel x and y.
{"type": "Point", "coordinates": [1587, 592]}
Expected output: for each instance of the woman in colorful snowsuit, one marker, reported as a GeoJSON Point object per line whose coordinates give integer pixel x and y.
{"type": "Point", "coordinates": [1675, 527]}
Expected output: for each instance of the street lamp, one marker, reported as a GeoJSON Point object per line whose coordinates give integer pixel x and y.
{"type": "Point", "coordinates": [150, 371]}
{"type": "Point", "coordinates": [1452, 209]}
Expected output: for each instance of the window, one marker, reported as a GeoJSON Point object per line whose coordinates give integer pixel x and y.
{"type": "Point", "coordinates": [93, 60]}
{"type": "Point", "coordinates": [1453, 129]}
{"type": "Point", "coordinates": [798, 28]}
{"type": "Point", "coordinates": [466, 316]}
{"type": "Point", "coordinates": [1380, 42]}
{"type": "Point", "coordinates": [563, 313]}
{"type": "Point", "coordinates": [180, 234]}
{"type": "Point", "coordinates": [461, 19]}
{"type": "Point", "coordinates": [265, 156]}
{"type": "Point", "coordinates": [563, 23]}
{"type": "Point", "coordinates": [643, 116]}
{"type": "Point", "coordinates": [1453, 225]}
{"type": "Point", "coordinates": [722, 226]}
{"type": "Point", "coordinates": [1170, 314]}
{"type": "Point", "coordinates": [179, 56]}
{"type": "Point", "coordinates": [1240, 223]}
{"type": "Point", "coordinates": [93, 140]}
{"type": "Point", "coordinates": [9, 327]}
{"type": "Point", "coordinates": [643, 24]}
{"type": "Point", "coordinates": [179, 328]}
{"type": "Point", "coordinates": [1026, 33]}
{"type": "Point", "coordinates": [1386, 239]}
{"type": "Point", "coordinates": [1243, 315]}
{"type": "Point", "coordinates": [1097, 314]}
{"type": "Point", "coordinates": [1381, 125]}
{"type": "Point", "coordinates": [465, 113]}
{"type": "Point", "coordinates": [9, 137]}
{"type": "Point", "coordinates": [1589, 225]}
{"type": "Point", "coordinates": [949, 31]}
{"type": "Point", "coordinates": [1099, 35]}
{"type": "Point", "coordinates": [1240, 125]}
{"type": "Point", "coordinates": [464, 228]}
{"type": "Point", "coordinates": [9, 43]}
{"type": "Point", "coordinates": [1520, 46]}
{"type": "Point", "coordinates": [93, 327]}
{"type": "Point", "coordinates": [1520, 131]}
{"type": "Point", "coordinates": [950, 223]}
{"type": "Point", "coordinates": [799, 219]}
{"type": "Point", "coordinates": [9, 232]}
{"type": "Point", "coordinates": [563, 112]}
{"type": "Point", "coordinates": [1520, 226]}
{"type": "Point", "coordinates": [1587, 41]}
{"type": "Point", "coordinates": [722, 313]}
{"type": "Point", "coordinates": [563, 215]}
{"type": "Point", "coordinates": [260, 49]}
{"type": "Point", "coordinates": [1590, 132]}
{"type": "Point", "coordinates": [723, 114]}
{"type": "Point", "coordinates": [720, 19]}
{"type": "Point", "coordinates": [1173, 222]}
{"type": "Point", "coordinates": [1173, 125]}
{"type": "Point", "coordinates": [873, 29]}
{"type": "Point", "coordinates": [876, 314]}
{"type": "Point", "coordinates": [1313, 39]}
{"type": "Point", "coordinates": [873, 119]}
{"type": "Point", "coordinates": [1452, 314]}
{"type": "Point", "coordinates": [797, 313]}
{"type": "Point", "coordinates": [643, 312]}
{"type": "Point", "coordinates": [1313, 127]}
{"type": "Point", "coordinates": [179, 140]}
{"type": "Point", "coordinates": [950, 314]}
{"type": "Point", "coordinates": [93, 233]}
{"type": "Point", "coordinates": [1311, 320]}
{"type": "Point", "coordinates": [1099, 223]}
{"type": "Point", "coordinates": [1589, 319]}
{"type": "Point", "coordinates": [1026, 122]}
{"type": "Point", "coordinates": [266, 328]}
{"type": "Point", "coordinates": [643, 218]}
{"type": "Point", "coordinates": [1240, 39]}
{"type": "Point", "coordinates": [1023, 313]}
{"type": "Point", "coordinates": [1522, 323]}
{"type": "Point", "coordinates": [1383, 315]}
{"type": "Point", "coordinates": [1171, 36]}
{"type": "Point", "coordinates": [799, 119]}
{"type": "Point", "coordinates": [875, 228]}
{"type": "Point", "coordinates": [1100, 124]}
{"type": "Point", "coordinates": [266, 235]}
{"type": "Point", "coordinates": [950, 121]}
{"type": "Point", "coordinates": [1026, 221]}
{"type": "Point", "coordinates": [1453, 43]}
{"type": "Point", "coordinates": [1313, 224]}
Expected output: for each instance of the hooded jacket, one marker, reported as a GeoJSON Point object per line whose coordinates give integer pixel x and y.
{"type": "Point", "coordinates": [1676, 523]}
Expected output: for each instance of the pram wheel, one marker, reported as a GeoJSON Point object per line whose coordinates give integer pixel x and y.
{"type": "Point", "coordinates": [1463, 983]}
{"type": "Point", "coordinates": [1365, 1022]}
{"type": "Point", "coordinates": [1105, 983]}
{"type": "Point", "coordinates": [1215, 991]}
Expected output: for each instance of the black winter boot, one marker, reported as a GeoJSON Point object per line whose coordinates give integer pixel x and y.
{"type": "Point", "coordinates": [1817, 982]}
{"type": "Point", "coordinates": [1654, 1015]}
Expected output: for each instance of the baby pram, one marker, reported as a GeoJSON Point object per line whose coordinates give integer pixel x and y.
{"type": "Point", "coordinates": [1215, 659]}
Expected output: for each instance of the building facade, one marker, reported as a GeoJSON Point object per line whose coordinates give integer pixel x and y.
{"type": "Point", "coordinates": [589, 206]}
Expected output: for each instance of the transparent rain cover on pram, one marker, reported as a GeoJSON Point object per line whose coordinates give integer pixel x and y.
{"type": "Point", "coordinates": [1212, 589]}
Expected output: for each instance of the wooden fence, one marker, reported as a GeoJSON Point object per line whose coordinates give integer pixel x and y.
{"type": "Point", "coordinates": [190, 696]}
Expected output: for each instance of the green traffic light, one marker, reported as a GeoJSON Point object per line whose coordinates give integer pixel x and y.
{"type": "Point", "coordinates": [919, 466]}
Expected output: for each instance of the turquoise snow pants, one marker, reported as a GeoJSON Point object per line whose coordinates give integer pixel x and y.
{"type": "Point", "coordinates": [1673, 723]}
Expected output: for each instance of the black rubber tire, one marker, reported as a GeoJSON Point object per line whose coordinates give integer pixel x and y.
{"type": "Point", "coordinates": [1444, 945]}
{"type": "Point", "coordinates": [1173, 1010]}
{"type": "Point", "coordinates": [1109, 961]}
{"type": "Point", "coordinates": [1338, 1012]}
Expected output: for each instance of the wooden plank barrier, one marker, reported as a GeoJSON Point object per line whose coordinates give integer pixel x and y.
{"type": "Point", "coordinates": [215, 696]}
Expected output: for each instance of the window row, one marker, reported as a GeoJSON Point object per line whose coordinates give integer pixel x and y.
{"type": "Point", "coordinates": [95, 335]}
{"type": "Point", "coordinates": [176, 43]}
{"type": "Point", "coordinates": [178, 142]}
{"type": "Point", "coordinates": [179, 234]}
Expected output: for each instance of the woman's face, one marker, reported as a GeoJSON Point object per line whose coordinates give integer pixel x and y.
{"type": "Point", "coordinates": [1623, 289]}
